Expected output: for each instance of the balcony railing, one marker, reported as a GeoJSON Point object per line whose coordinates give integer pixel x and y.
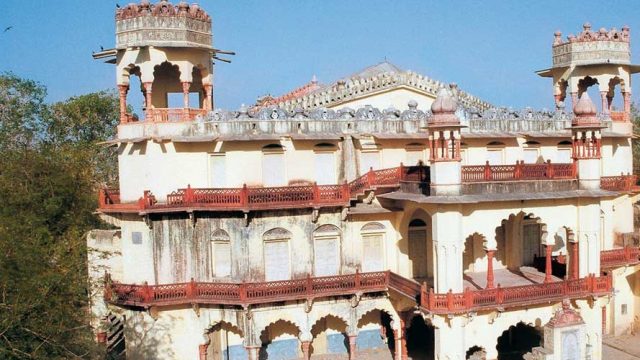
{"type": "Point", "coordinates": [173, 114]}
{"type": "Point", "coordinates": [515, 296]}
{"type": "Point", "coordinates": [249, 198]}
{"type": "Point", "coordinates": [519, 171]}
{"type": "Point", "coordinates": [619, 116]}
{"type": "Point", "coordinates": [618, 183]}
{"type": "Point", "coordinates": [242, 294]}
{"type": "Point", "coordinates": [619, 257]}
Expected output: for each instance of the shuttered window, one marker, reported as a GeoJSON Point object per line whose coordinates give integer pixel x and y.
{"type": "Point", "coordinates": [276, 260]}
{"type": "Point", "coordinates": [563, 156]}
{"type": "Point", "coordinates": [325, 168]}
{"type": "Point", "coordinates": [530, 156]}
{"type": "Point", "coordinates": [494, 157]}
{"type": "Point", "coordinates": [221, 258]}
{"type": "Point", "coordinates": [326, 256]}
{"type": "Point", "coordinates": [273, 169]}
{"type": "Point", "coordinates": [372, 252]}
{"type": "Point", "coordinates": [217, 170]}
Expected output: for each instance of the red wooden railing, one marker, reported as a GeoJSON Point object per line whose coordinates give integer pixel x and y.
{"type": "Point", "coordinates": [519, 171]}
{"type": "Point", "coordinates": [628, 255]}
{"type": "Point", "coordinates": [618, 183]}
{"type": "Point", "coordinates": [340, 285]}
{"type": "Point", "coordinates": [619, 116]}
{"type": "Point", "coordinates": [249, 198]}
{"type": "Point", "coordinates": [245, 293]}
{"type": "Point", "coordinates": [475, 300]}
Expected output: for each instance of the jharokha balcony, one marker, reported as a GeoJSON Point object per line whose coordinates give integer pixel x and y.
{"type": "Point", "coordinates": [310, 288]}
{"type": "Point", "coordinates": [340, 195]}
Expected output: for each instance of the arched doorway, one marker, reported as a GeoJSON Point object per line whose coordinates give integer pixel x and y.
{"type": "Point", "coordinates": [420, 339]}
{"type": "Point", "coordinates": [280, 341]}
{"type": "Point", "coordinates": [520, 240]}
{"type": "Point", "coordinates": [476, 353]}
{"type": "Point", "coordinates": [517, 341]}
{"type": "Point", "coordinates": [375, 335]}
{"type": "Point", "coordinates": [329, 336]}
{"type": "Point", "coordinates": [418, 249]}
{"type": "Point", "coordinates": [225, 342]}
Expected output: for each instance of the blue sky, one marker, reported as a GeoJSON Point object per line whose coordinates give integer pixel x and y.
{"type": "Point", "coordinates": [490, 48]}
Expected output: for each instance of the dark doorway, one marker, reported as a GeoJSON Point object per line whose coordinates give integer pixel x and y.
{"type": "Point", "coordinates": [517, 341]}
{"type": "Point", "coordinates": [420, 339]}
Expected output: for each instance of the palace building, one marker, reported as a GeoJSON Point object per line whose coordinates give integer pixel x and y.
{"type": "Point", "coordinates": [385, 215]}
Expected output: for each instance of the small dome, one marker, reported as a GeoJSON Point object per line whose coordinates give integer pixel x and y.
{"type": "Point", "coordinates": [444, 103]}
{"type": "Point", "coordinates": [584, 106]}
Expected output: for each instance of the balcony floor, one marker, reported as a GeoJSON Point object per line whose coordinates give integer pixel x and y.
{"type": "Point", "coordinates": [477, 280]}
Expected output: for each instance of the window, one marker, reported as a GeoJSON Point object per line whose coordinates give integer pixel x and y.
{"type": "Point", "coordinates": [369, 159]}
{"type": "Point", "coordinates": [273, 167]}
{"type": "Point", "coordinates": [217, 170]}
{"type": "Point", "coordinates": [325, 164]}
{"type": "Point", "coordinates": [563, 155]}
{"type": "Point", "coordinates": [372, 247]}
{"type": "Point", "coordinates": [495, 152]}
{"type": "Point", "coordinates": [414, 154]}
{"type": "Point", "coordinates": [418, 248]}
{"type": "Point", "coordinates": [326, 261]}
{"type": "Point", "coordinates": [221, 253]}
{"type": "Point", "coordinates": [277, 264]}
{"type": "Point", "coordinates": [136, 238]}
{"type": "Point", "coordinates": [531, 152]}
{"type": "Point", "coordinates": [623, 309]}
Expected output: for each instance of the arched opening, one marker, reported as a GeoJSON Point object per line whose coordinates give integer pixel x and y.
{"type": "Point", "coordinates": [329, 336]}
{"type": "Point", "coordinates": [520, 240]}
{"type": "Point", "coordinates": [517, 341]}
{"type": "Point", "coordinates": [273, 165]}
{"type": "Point", "coordinates": [225, 342]}
{"type": "Point", "coordinates": [615, 101]}
{"type": "Point", "coordinates": [277, 264]}
{"type": "Point", "coordinates": [135, 98]}
{"type": "Point", "coordinates": [473, 251]}
{"type": "Point", "coordinates": [420, 339]}
{"type": "Point", "coordinates": [418, 249]}
{"type": "Point", "coordinates": [196, 90]}
{"type": "Point", "coordinates": [280, 341]}
{"type": "Point", "coordinates": [373, 255]}
{"type": "Point", "coordinates": [166, 88]}
{"type": "Point", "coordinates": [326, 250]}
{"type": "Point", "coordinates": [375, 334]}
{"type": "Point", "coordinates": [476, 353]}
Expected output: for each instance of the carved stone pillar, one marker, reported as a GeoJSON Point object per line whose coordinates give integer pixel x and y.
{"type": "Point", "coordinates": [186, 85]}
{"type": "Point", "coordinates": [605, 102]}
{"type": "Point", "coordinates": [352, 346]}
{"type": "Point", "coordinates": [626, 97]}
{"type": "Point", "coordinates": [122, 90]}
{"type": "Point", "coordinates": [202, 351]}
{"type": "Point", "coordinates": [490, 269]}
{"type": "Point", "coordinates": [547, 267]}
{"type": "Point", "coordinates": [207, 104]}
{"type": "Point", "coordinates": [306, 350]}
{"type": "Point", "coordinates": [147, 92]}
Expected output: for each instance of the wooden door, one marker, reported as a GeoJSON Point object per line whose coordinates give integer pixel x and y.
{"type": "Point", "coordinates": [418, 251]}
{"type": "Point", "coordinates": [276, 261]}
{"type": "Point", "coordinates": [530, 243]}
{"type": "Point", "coordinates": [222, 259]}
{"type": "Point", "coordinates": [372, 253]}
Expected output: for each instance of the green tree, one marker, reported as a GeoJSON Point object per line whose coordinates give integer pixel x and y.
{"type": "Point", "coordinates": [50, 168]}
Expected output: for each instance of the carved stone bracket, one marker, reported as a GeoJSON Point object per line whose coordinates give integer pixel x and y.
{"type": "Point", "coordinates": [153, 312]}
{"type": "Point", "coordinates": [308, 305]}
{"type": "Point", "coordinates": [147, 221]}
{"type": "Point", "coordinates": [247, 220]}
{"type": "Point", "coordinates": [369, 198]}
{"type": "Point", "coordinates": [196, 308]}
{"type": "Point", "coordinates": [192, 218]}
{"type": "Point", "coordinates": [315, 213]}
{"type": "Point", "coordinates": [344, 213]}
{"type": "Point", "coordinates": [355, 299]}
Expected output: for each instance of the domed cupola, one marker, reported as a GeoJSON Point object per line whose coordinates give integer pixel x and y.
{"type": "Point", "coordinates": [585, 112]}
{"type": "Point", "coordinates": [443, 109]}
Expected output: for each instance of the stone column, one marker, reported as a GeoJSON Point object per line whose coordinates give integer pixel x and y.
{"type": "Point", "coordinates": [147, 92]}
{"type": "Point", "coordinates": [122, 90]}
{"type": "Point", "coordinates": [448, 245]}
{"type": "Point", "coordinates": [626, 97]}
{"type": "Point", "coordinates": [306, 350]}
{"type": "Point", "coordinates": [605, 102]}
{"type": "Point", "coordinates": [207, 104]}
{"type": "Point", "coordinates": [547, 268]}
{"type": "Point", "coordinates": [186, 85]}
{"type": "Point", "coordinates": [490, 269]}
{"type": "Point", "coordinates": [352, 346]}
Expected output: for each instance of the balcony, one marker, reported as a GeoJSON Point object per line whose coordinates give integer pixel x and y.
{"type": "Point", "coordinates": [626, 256]}
{"type": "Point", "coordinates": [243, 294]}
{"type": "Point", "coordinates": [619, 183]}
{"type": "Point", "coordinates": [519, 171]}
{"type": "Point", "coordinates": [174, 114]}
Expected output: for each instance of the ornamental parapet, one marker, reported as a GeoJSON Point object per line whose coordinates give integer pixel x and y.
{"type": "Point", "coordinates": [162, 25]}
{"type": "Point", "coordinates": [592, 47]}
{"type": "Point", "coordinates": [309, 288]}
{"type": "Point", "coordinates": [626, 256]}
{"type": "Point", "coordinates": [166, 124]}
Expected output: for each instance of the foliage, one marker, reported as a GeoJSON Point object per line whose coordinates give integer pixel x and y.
{"type": "Point", "coordinates": [635, 143]}
{"type": "Point", "coordinates": [50, 166]}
